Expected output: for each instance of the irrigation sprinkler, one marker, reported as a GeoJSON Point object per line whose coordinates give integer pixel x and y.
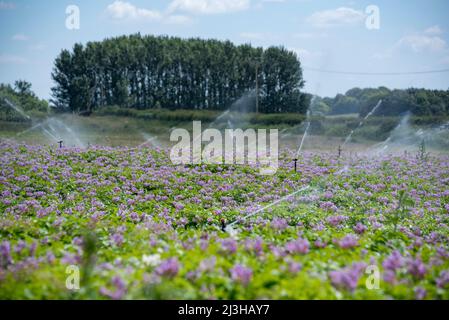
{"type": "Point", "coordinates": [223, 225]}
{"type": "Point", "coordinates": [60, 144]}
{"type": "Point", "coordinates": [296, 164]}
{"type": "Point", "coordinates": [339, 151]}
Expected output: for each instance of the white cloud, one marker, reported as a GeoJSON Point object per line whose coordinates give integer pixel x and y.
{"type": "Point", "coordinates": [309, 35]}
{"type": "Point", "coordinates": [336, 17]}
{"type": "Point", "coordinates": [126, 11]}
{"type": "Point", "coordinates": [387, 54]}
{"type": "Point", "coordinates": [12, 59]}
{"type": "Point", "coordinates": [423, 43]}
{"type": "Point", "coordinates": [38, 47]}
{"type": "Point", "coordinates": [121, 10]}
{"type": "Point", "coordinates": [178, 19]}
{"type": "Point", "coordinates": [435, 30]}
{"type": "Point", "coordinates": [6, 5]}
{"type": "Point", "coordinates": [20, 37]}
{"type": "Point", "coordinates": [307, 54]}
{"type": "Point", "coordinates": [253, 35]}
{"type": "Point", "coordinates": [209, 6]}
{"type": "Point", "coordinates": [426, 41]}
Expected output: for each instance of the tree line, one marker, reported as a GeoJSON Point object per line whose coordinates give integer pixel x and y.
{"type": "Point", "coordinates": [146, 72]}
{"type": "Point", "coordinates": [19, 97]}
{"type": "Point", "coordinates": [420, 102]}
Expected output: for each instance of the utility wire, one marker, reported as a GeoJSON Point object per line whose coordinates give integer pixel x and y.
{"type": "Point", "coordinates": [375, 73]}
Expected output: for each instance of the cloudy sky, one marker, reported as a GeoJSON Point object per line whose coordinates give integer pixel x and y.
{"type": "Point", "coordinates": [338, 42]}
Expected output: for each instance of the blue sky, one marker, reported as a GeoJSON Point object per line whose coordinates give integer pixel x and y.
{"type": "Point", "coordinates": [331, 35]}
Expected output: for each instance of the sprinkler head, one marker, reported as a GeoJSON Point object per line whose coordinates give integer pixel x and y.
{"type": "Point", "coordinates": [295, 161]}
{"type": "Point", "coordinates": [223, 225]}
{"type": "Point", "coordinates": [60, 143]}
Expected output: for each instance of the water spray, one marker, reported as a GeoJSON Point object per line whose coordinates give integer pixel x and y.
{"type": "Point", "coordinates": [228, 228]}
{"type": "Point", "coordinates": [361, 123]}
{"type": "Point", "coordinates": [16, 108]}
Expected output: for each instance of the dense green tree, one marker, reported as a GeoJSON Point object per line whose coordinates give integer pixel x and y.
{"type": "Point", "coordinates": [146, 72]}
{"type": "Point", "coordinates": [23, 87]}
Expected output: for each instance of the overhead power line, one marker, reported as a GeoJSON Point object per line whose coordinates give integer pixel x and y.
{"type": "Point", "coordinates": [375, 73]}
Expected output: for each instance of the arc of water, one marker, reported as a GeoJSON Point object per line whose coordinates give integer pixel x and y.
{"type": "Point", "coordinates": [61, 124]}
{"type": "Point", "coordinates": [303, 139]}
{"type": "Point", "coordinates": [32, 128]}
{"type": "Point", "coordinates": [49, 134]}
{"type": "Point", "coordinates": [306, 131]}
{"type": "Point", "coordinates": [150, 140]}
{"type": "Point", "coordinates": [16, 108]}
{"type": "Point", "coordinates": [271, 205]}
{"type": "Point", "coordinates": [221, 116]}
{"type": "Point", "coordinates": [361, 123]}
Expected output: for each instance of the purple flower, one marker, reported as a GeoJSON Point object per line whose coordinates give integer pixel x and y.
{"type": "Point", "coordinates": [390, 276]}
{"type": "Point", "coordinates": [328, 195]}
{"type": "Point", "coordinates": [70, 258]}
{"type": "Point", "coordinates": [320, 243]}
{"type": "Point", "coordinates": [168, 268]}
{"type": "Point", "coordinates": [21, 245]}
{"type": "Point", "coordinates": [117, 239]}
{"type": "Point", "coordinates": [416, 268]}
{"type": "Point", "coordinates": [394, 261]}
{"type": "Point", "coordinates": [279, 224]}
{"type": "Point", "coordinates": [255, 245]}
{"type": "Point", "coordinates": [229, 245]}
{"type": "Point", "coordinates": [294, 267]}
{"type": "Point", "coordinates": [360, 228]}
{"type": "Point", "coordinates": [420, 293]}
{"type": "Point", "coordinates": [204, 244]}
{"type": "Point", "coordinates": [348, 242]}
{"type": "Point", "coordinates": [5, 254]}
{"type": "Point", "coordinates": [443, 279]}
{"type": "Point", "coordinates": [328, 206]}
{"type": "Point", "coordinates": [208, 265]}
{"type": "Point", "coordinates": [32, 248]}
{"type": "Point", "coordinates": [298, 246]}
{"type": "Point", "coordinates": [348, 277]}
{"type": "Point", "coordinates": [241, 274]}
{"type": "Point", "coordinates": [120, 289]}
{"type": "Point", "coordinates": [50, 257]}
{"type": "Point", "coordinates": [335, 220]}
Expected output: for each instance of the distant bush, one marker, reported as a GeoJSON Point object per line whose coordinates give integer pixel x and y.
{"type": "Point", "coordinates": [284, 118]}
{"type": "Point", "coordinates": [184, 115]}
{"type": "Point", "coordinates": [337, 130]}
{"type": "Point", "coordinates": [425, 121]}
{"type": "Point", "coordinates": [24, 99]}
